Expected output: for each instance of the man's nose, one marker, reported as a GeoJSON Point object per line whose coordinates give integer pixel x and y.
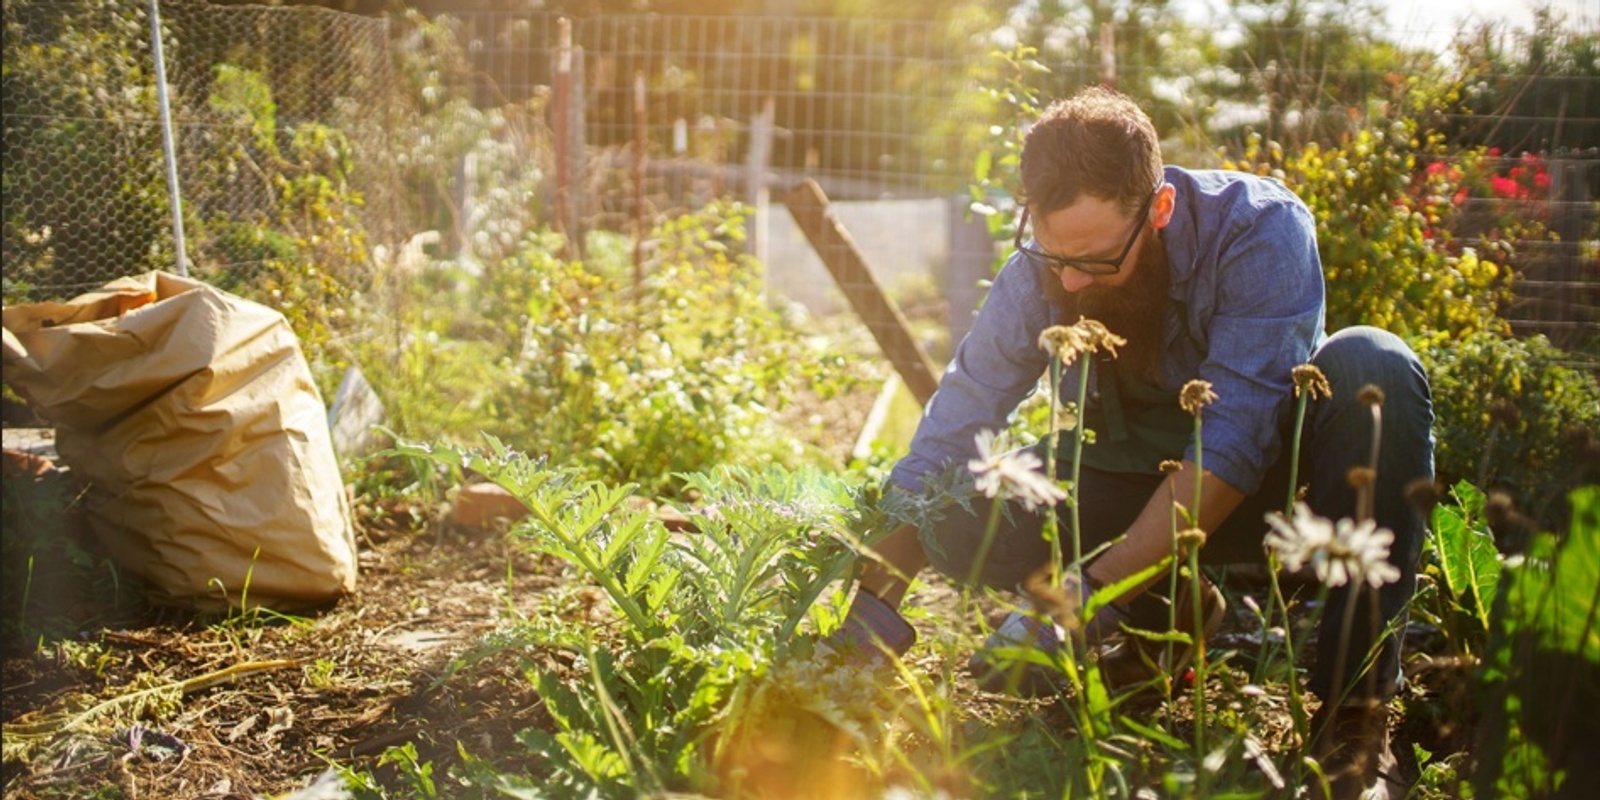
{"type": "Point", "coordinates": [1074, 281]}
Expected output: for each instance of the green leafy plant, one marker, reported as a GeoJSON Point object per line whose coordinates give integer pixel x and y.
{"type": "Point", "coordinates": [1511, 415]}
{"type": "Point", "coordinates": [663, 696]}
{"type": "Point", "coordinates": [1464, 564]}
{"type": "Point", "coordinates": [1542, 677]}
{"type": "Point", "coordinates": [1381, 265]}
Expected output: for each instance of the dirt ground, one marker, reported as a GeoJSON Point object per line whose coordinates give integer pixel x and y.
{"type": "Point", "coordinates": [284, 698]}
{"type": "Point", "coordinates": [342, 686]}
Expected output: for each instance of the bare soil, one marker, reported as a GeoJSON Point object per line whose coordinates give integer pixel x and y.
{"type": "Point", "coordinates": [298, 694]}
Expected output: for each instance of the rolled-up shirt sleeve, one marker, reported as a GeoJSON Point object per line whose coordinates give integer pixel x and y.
{"type": "Point", "coordinates": [994, 368]}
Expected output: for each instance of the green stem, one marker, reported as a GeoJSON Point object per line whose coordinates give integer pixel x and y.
{"type": "Point", "coordinates": [983, 546]}
{"type": "Point", "coordinates": [1052, 531]}
{"type": "Point", "coordinates": [579, 553]}
{"type": "Point", "coordinates": [1294, 451]}
{"type": "Point", "coordinates": [1199, 618]}
{"type": "Point", "coordinates": [1077, 460]}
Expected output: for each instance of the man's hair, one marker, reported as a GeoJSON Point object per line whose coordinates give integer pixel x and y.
{"type": "Point", "coordinates": [1098, 142]}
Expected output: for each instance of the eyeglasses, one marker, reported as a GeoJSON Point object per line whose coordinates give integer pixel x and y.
{"type": "Point", "coordinates": [1087, 266]}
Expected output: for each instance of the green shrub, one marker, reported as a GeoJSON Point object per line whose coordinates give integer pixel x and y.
{"type": "Point", "coordinates": [1541, 681]}
{"type": "Point", "coordinates": [689, 369]}
{"type": "Point", "coordinates": [1509, 415]}
{"type": "Point", "coordinates": [1385, 259]}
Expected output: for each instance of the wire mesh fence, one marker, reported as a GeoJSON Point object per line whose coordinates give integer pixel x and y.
{"type": "Point", "coordinates": [278, 126]}
{"type": "Point", "coordinates": [309, 139]}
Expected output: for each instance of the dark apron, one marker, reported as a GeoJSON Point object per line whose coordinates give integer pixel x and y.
{"type": "Point", "coordinates": [1137, 424]}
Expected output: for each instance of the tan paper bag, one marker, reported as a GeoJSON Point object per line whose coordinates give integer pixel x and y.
{"type": "Point", "coordinates": [193, 414]}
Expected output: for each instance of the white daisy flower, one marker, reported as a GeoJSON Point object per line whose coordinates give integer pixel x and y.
{"type": "Point", "coordinates": [1339, 553]}
{"type": "Point", "coordinates": [1012, 475]}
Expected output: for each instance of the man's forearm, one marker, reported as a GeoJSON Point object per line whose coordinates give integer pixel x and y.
{"type": "Point", "coordinates": [1149, 538]}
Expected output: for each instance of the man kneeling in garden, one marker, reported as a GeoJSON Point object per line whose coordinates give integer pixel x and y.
{"type": "Point", "coordinates": [1209, 276]}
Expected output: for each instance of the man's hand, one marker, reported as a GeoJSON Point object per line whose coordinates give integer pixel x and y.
{"type": "Point", "coordinates": [1066, 605]}
{"type": "Point", "coordinates": [1149, 538]}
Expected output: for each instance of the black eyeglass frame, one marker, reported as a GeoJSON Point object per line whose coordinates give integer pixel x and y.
{"type": "Point", "coordinates": [1087, 266]}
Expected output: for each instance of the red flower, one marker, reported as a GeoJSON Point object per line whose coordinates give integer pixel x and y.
{"type": "Point", "coordinates": [1503, 186]}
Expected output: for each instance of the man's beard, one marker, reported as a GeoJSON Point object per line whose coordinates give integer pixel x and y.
{"type": "Point", "coordinates": [1135, 310]}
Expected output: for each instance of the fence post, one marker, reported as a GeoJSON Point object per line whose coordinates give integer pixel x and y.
{"type": "Point", "coordinates": [640, 228]}
{"type": "Point", "coordinates": [970, 261]}
{"type": "Point", "coordinates": [569, 135]}
{"type": "Point", "coordinates": [1108, 55]}
{"type": "Point", "coordinates": [168, 148]}
{"type": "Point", "coordinates": [755, 178]}
{"type": "Point", "coordinates": [849, 269]}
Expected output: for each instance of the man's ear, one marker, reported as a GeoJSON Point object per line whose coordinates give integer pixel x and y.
{"type": "Point", "coordinates": [1161, 208]}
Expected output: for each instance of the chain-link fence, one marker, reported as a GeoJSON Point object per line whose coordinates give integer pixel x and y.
{"type": "Point", "coordinates": [307, 138]}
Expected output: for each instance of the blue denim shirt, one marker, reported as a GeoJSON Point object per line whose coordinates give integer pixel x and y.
{"type": "Point", "coordinates": [1247, 308]}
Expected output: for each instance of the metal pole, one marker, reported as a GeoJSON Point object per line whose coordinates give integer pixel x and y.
{"type": "Point", "coordinates": [167, 147]}
{"type": "Point", "coordinates": [562, 100]}
{"type": "Point", "coordinates": [639, 232]}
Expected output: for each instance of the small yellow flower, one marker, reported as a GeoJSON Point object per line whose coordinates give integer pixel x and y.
{"type": "Point", "coordinates": [1196, 395]}
{"type": "Point", "coordinates": [1308, 378]}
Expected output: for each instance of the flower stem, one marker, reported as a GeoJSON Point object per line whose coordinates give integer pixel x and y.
{"type": "Point", "coordinates": [1294, 451]}
{"type": "Point", "coordinates": [1077, 460]}
{"type": "Point", "coordinates": [1052, 530]}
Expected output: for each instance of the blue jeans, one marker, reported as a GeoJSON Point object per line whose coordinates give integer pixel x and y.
{"type": "Point", "coordinates": [1337, 436]}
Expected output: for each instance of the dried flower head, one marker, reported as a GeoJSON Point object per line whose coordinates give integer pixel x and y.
{"type": "Point", "coordinates": [1191, 538]}
{"type": "Point", "coordinates": [1423, 493]}
{"type": "Point", "coordinates": [1063, 342]}
{"type": "Point", "coordinates": [1310, 380]}
{"type": "Point", "coordinates": [1344, 552]}
{"type": "Point", "coordinates": [1370, 395]}
{"type": "Point", "coordinates": [1086, 336]}
{"type": "Point", "coordinates": [1061, 602]}
{"type": "Point", "coordinates": [1170, 466]}
{"type": "Point", "coordinates": [1012, 475]}
{"type": "Point", "coordinates": [1196, 395]}
{"type": "Point", "coordinates": [1500, 511]}
{"type": "Point", "coordinates": [1360, 477]}
{"type": "Point", "coordinates": [1099, 337]}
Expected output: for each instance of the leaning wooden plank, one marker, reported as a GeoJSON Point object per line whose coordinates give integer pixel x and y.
{"type": "Point", "coordinates": [849, 269]}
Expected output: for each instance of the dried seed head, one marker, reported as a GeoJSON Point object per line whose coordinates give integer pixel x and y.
{"type": "Point", "coordinates": [1504, 413]}
{"type": "Point", "coordinates": [1055, 601]}
{"type": "Point", "coordinates": [1170, 466]}
{"type": "Point", "coordinates": [1370, 395]}
{"type": "Point", "coordinates": [1424, 494]}
{"type": "Point", "coordinates": [1308, 378]}
{"type": "Point", "coordinates": [1063, 342]}
{"type": "Point", "coordinates": [1196, 395]}
{"type": "Point", "coordinates": [1499, 510]}
{"type": "Point", "coordinates": [1360, 477]}
{"type": "Point", "coordinates": [1192, 538]}
{"type": "Point", "coordinates": [1098, 336]}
